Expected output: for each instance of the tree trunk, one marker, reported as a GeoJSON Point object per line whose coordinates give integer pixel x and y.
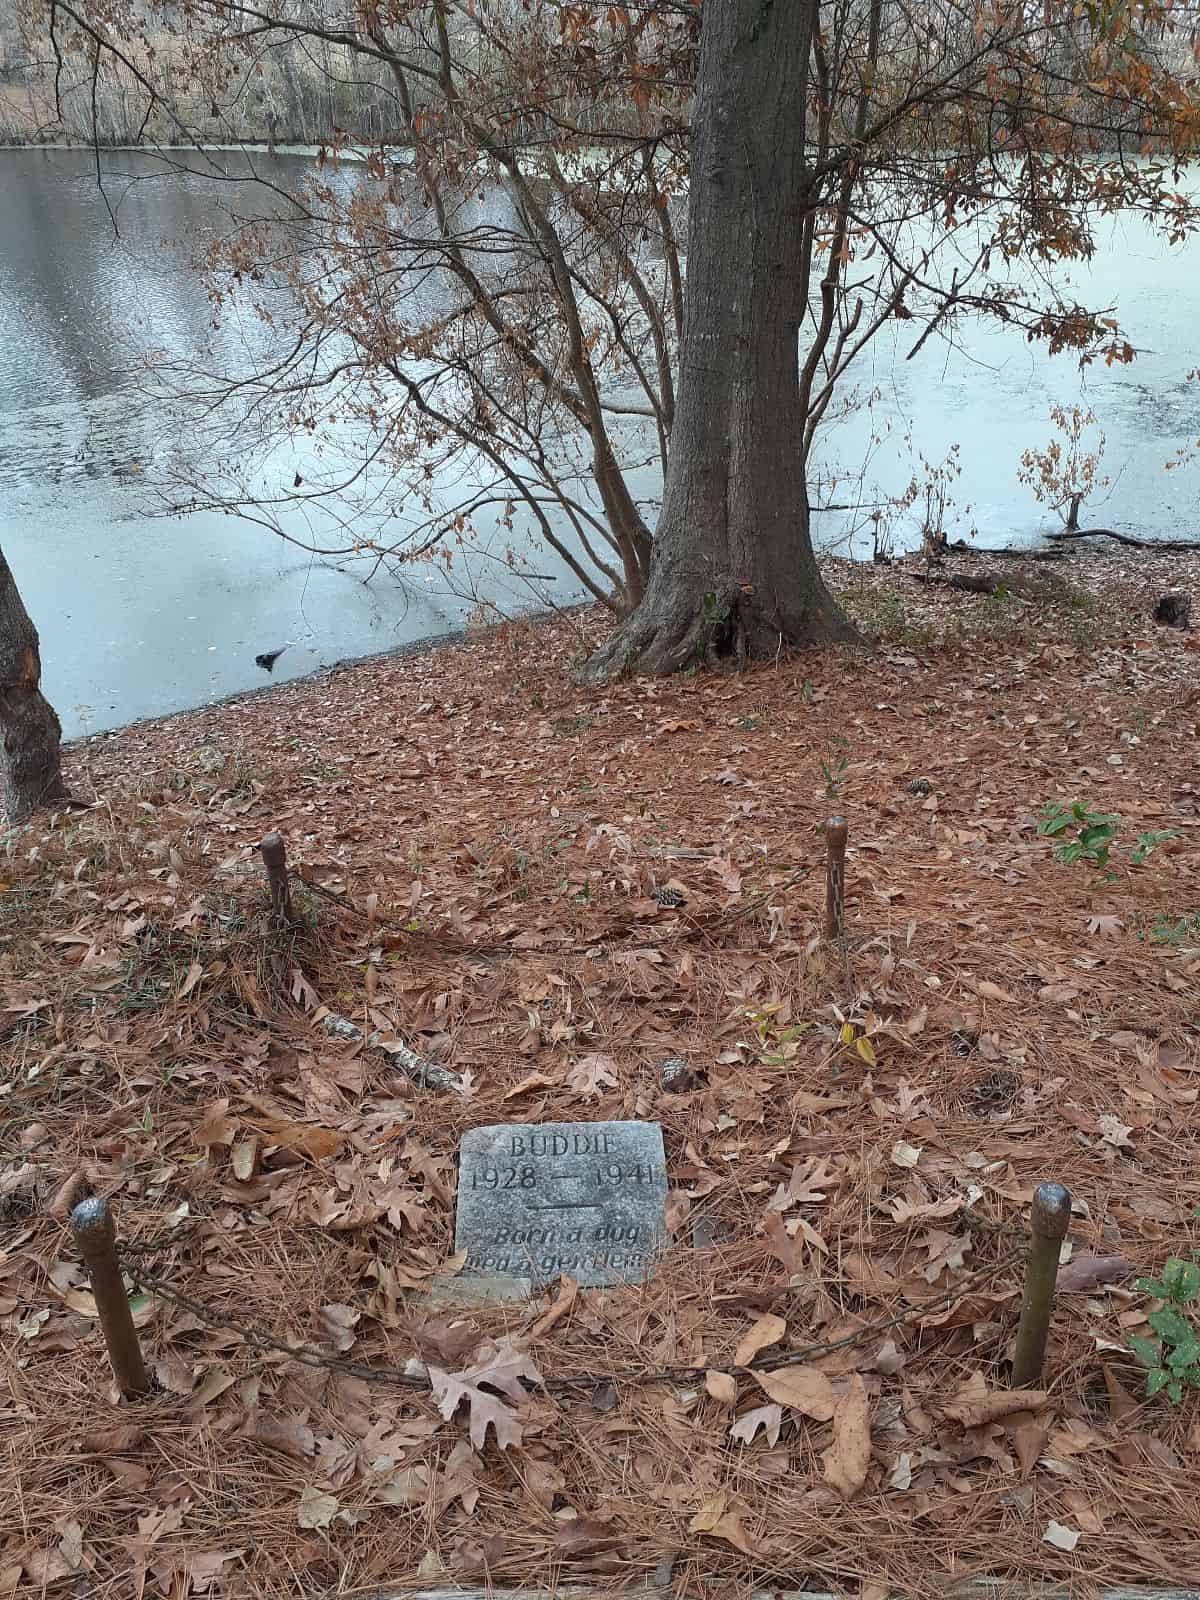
{"type": "Point", "coordinates": [733, 572]}
{"type": "Point", "coordinates": [29, 761]}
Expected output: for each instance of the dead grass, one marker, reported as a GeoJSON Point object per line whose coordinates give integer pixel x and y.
{"type": "Point", "coordinates": [512, 829]}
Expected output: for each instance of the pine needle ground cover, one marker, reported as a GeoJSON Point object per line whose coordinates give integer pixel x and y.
{"type": "Point", "coordinates": [551, 892]}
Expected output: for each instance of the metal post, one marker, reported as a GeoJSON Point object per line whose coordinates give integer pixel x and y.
{"type": "Point", "coordinates": [1048, 1222]}
{"type": "Point", "coordinates": [835, 878]}
{"type": "Point", "coordinates": [275, 860]}
{"type": "Point", "coordinates": [92, 1225]}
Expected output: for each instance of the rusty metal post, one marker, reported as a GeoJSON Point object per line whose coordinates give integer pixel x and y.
{"type": "Point", "coordinates": [835, 878]}
{"type": "Point", "coordinates": [1050, 1218]}
{"type": "Point", "coordinates": [275, 860]}
{"type": "Point", "coordinates": [92, 1225]}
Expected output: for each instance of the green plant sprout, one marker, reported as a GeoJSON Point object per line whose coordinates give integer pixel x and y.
{"type": "Point", "coordinates": [1172, 1360]}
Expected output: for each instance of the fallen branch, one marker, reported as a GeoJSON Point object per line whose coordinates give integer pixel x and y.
{"type": "Point", "coordinates": [1126, 538]}
{"type": "Point", "coordinates": [416, 1068]}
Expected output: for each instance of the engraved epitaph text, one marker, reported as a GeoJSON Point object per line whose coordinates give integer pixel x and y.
{"type": "Point", "coordinates": [584, 1198]}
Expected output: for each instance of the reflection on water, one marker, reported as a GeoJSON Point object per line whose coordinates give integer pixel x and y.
{"type": "Point", "coordinates": [141, 616]}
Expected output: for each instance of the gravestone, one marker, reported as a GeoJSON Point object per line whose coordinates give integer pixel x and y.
{"type": "Point", "coordinates": [538, 1200]}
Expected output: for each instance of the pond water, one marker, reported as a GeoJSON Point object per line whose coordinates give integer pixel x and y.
{"type": "Point", "coordinates": [142, 615]}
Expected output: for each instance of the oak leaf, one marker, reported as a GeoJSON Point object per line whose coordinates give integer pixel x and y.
{"type": "Point", "coordinates": [316, 1509]}
{"type": "Point", "coordinates": [768, 1418]}
{"type": "Point", "coordinates": [501, 1367]}
{"type": "Point", "coordinates": [591, 1074]}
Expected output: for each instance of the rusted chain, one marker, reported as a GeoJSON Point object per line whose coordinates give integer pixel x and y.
{"type": "Point", "coordinates": [258, 1339]}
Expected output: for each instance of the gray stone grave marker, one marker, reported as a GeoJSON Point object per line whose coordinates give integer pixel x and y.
{"type": "Point", "coordinates": [539, 1199]}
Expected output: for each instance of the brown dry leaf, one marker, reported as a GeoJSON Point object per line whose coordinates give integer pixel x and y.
{"type": "Point", "coordinates": [501, 1366]}
{"type": "Point", "coordinates": [535, 1080]}
{"type": "Point", "coordinates": [803, 1388]}
{"type": "Point", "coordinates": [591, 1074]}
{"type": "Point", "coordinates": [472, 1558]}
{"type": "Point", "coordinates": [207, 1567]}
{"type": "Point", "coordinates": [1087, 1270]}
{"type": "Point", "coordinates": [337, 1323]}
{"type": "Point", "coordinates": [215, 1382]}
{"type": "Point", "coordinates": [584, 1536]}
{"type": "Point", "coordinates": [849, 1456]}
{"type": "Point", "coordinates": [405, 1486]}
{"type": "Point", "coordinates": [194, 973]}
{"type": "Point", "coordinates": [1120, 1402]}
{"type": "Point", "coordinates": [992, 991]}
{"type": "Point", "coordinates": [768, 1330]}
{"type": "Point", "coordinates": [1109, 926]}
{"type": "Point", "coordinates": [216, 1128]}
{"type": "Point", "coordinates": [1029, 1439]}
{"type": "Point", "coordinates": [305, 1139]}
{"type": "Point", "coordinates": [567, 1294]}
{"type": "Point", "coordinates": [973, 1409]}
{"type": "Point", "coordinates": [721, 1386]}
{"type": "Point", "coordinates": [316, 1509]}
{"type": "Point", "coordinates": [723, 1520]}
{"type": "Point", "coordinates": [289, 1435]}
{"type": "Point", "coordinates": [768, 1418]}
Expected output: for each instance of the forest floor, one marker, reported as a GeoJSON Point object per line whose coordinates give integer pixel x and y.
{"type": "Point", "coordinates": [488, 846]}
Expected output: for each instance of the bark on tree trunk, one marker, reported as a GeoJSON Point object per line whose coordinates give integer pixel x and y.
{"type": "Point", "coordinates": [733, 572]}
{"type": "Point", "coordinates": [29, 761]}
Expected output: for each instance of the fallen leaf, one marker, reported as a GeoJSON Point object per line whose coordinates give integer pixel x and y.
{"type": "Point", "coordinates": [585, 1536]}
{"type": "Point", "coordinates": [316, 1509]}
{"type": "Point", "coordinates": [1107, 925]}
{"type": "Point", "coordinates": [992, 991]}
{"type": "Point", "coordinates": [591, 1074]}
{"type": "Point", "coordinates": [722, 1521]}
{"type": "Point", "coordinates": [1087, 1270]}
{"type": "Point", "coordinates": [1113, 1131]}
{"type": "Point", "coordinates": [501, 1367]}
{"type": "Point", "coordinates": [1120, 1402]}
{"type": "Point", "coordinates": [289, 1435]}
{"type": "Point", "coordinates": [216, 1128]}
{"type": "Point", "coordinates": [242, 1159]}
{"type": "Point", "coordinates": [194, 973]}
{"type": "Point", "coordinates": [567, 1294]}
{"type": "Point", "coordinates": [768, 1330]}
{"type": "Point", "coordinates": [337, 1324]}
{"type": "Point", "coordinates": [535, 1080]}
{"type": "Point", "coordinates": [1029, 1439]}
{"type": "Point", "coordinates": [803, 1388]}
{"type": "Point", "coordinates": [768, 1418]}
{"type": "Point", "coordinates": [973, 1409]}
{"type": "Point", "coordinates": [849, 1456]}
{"type": "Point", "coordinates": [721, 1386]}
{"type": "Point", "coordinates": [206, 1567]}
{"type": "Point", "coordinates": [1060, 1537]}
{"type": "Point", "coordinates": [406, 1486]}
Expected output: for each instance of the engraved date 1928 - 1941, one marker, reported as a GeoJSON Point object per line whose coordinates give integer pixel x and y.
{"type": "Point", "coordinates": [610, 1175]}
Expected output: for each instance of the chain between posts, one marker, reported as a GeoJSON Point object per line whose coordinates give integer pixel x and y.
{"type": "Point", "coordinates": [258, 1339]}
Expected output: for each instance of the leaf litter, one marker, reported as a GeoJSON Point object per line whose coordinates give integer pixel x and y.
{"type": "Point", "coordinates": [479, 896]}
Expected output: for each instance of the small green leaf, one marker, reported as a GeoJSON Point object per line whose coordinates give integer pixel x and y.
{"type": "Point", "coordinates": [1147, 1351]}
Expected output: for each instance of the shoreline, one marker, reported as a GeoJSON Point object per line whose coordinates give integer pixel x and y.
{"type": "Point", "coordinates": [428, 645]}
{"type": "Point", "coordinates": [869, 571]}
